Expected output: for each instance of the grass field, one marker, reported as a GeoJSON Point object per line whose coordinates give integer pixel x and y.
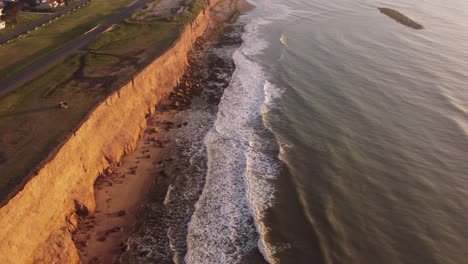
{"type": "Point", "coordinates": [191, 10]}
{"type": "Point", "coordinates": [31, 122]}
{"type": "Point", "coordinates": [23, 20]}
{"type": "Point", "coordinates": [22, 52]}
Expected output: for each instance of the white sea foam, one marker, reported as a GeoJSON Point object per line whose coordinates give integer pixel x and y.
{"type": "Point", "coordinates": [168, 194]}
{"type": "Point", "coordinates": [226, 225]}
{"type": "Point", "coordinates": [283, 40]}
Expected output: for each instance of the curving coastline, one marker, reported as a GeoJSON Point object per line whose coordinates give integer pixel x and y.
{"type": "Point", "coordinates": [36, 223]}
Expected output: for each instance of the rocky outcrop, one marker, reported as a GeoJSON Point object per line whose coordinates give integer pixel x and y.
{"type": "Point", "coordinates": [35, 224]}
{"type": "Point", "coordinates": [400, 18]}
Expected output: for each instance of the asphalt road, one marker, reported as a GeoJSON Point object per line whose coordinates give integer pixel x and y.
{"type": "Point", "coordinates": [42, 65]}
{"type": "Point", "coordinates": [41, 21]}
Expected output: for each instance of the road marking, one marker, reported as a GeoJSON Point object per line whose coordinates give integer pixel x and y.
{"type": "Point", "coordinates": [91, 29]}
{"type": "Point", "coordinates": [132, 3]}
{"type": "Point", "coordinates": [110, 28]}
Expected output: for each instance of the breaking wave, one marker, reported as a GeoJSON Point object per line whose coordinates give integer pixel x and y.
{"type": "Point", "coordinates": [226, 226]}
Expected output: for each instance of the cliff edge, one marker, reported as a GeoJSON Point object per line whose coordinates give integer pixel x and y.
{"type": "Point", "coordinates": [36, 224]}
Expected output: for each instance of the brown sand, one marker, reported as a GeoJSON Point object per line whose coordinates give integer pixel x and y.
{"type": "Point", "coordinates": [118, 196]}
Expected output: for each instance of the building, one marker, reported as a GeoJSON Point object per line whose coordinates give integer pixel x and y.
{"type": "Point", "coordinates": [2, 23]}
{"type": "Point", "coordinates": [43, 7]}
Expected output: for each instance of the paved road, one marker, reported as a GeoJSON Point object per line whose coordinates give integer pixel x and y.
{"type": "Point", "coordinates": [42, 65]}
{"type": "Point", "coordinates": [41, 21]}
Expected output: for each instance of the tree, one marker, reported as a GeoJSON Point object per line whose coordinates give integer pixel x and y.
{"type": "Point", "coordinates": [11, 10]}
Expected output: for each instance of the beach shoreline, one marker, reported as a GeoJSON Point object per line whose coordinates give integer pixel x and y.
{"type": "Point", "coordinates": [123, 190]}
{"type": "Point", "coordinates": [119, 193]}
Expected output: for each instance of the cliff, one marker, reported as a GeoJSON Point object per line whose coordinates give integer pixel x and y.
{"type": "Point", "coordinates": [36, 224]}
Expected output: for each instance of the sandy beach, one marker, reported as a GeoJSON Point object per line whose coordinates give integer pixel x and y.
{"type": "Point", "coordinates": [124, 191]}
{"type": "Point", "coordinates": [120, 193]}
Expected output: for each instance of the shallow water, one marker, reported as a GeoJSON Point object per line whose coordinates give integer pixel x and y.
{"type": "Point", "coordinates": [341, 138]}
{"type": "Point", "coordinates": [372, 123]}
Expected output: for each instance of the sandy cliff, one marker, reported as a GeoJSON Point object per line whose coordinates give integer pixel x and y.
{"type": "Point", "coordinates": [35, 224]}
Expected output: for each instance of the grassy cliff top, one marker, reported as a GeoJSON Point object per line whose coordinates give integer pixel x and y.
{"type": "Point", "coordinates": [31, 123]}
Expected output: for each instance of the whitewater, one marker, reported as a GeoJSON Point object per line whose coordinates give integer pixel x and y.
{"type": "Point", "coordinates": [242, 162]}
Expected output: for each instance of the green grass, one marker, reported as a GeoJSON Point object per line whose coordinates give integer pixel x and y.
{"type": "Point", "coordinates": [23, 20]}
{"type": "Point", "coordinates": [192, 8]}
{"type": "Point", "coordinates": [32, 125]}
{"type": "Point", "coordinates": [131, 46]}
{"type": "Point", "coordinates": [128, 34]}
{"type": "Point", "coordinates": [27, 49]}
{"type": "Point", "coordinates": [146, 8]}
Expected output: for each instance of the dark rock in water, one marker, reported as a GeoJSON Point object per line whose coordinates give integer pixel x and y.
{"type": "Point", "coordinates": [400, 18]}
{"type": "Point", "coordinates": [123, 247]}
{"type": "Point", "coordinates": [163, 174]}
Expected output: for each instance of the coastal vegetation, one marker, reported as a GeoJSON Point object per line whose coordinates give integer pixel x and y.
{"type": "Point", "coordinates": [32, 122]}
{"type": "Point", "coordinates": [22, 52]}
{"type": "Point", "coordinates": [24, 19]}
{"type": "Point", "coordinates": [191, 10]}
{"type": "Point", "coordinates": [400, 18]}
{"type": "Point", "coordinates": [181, 13]}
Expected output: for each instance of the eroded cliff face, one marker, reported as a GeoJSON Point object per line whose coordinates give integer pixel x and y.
{"type": "Point", "coordinates": [36, 224]}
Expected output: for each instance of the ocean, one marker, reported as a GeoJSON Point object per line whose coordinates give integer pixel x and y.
{"type": "Point", "coordinates": [340, 138]}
